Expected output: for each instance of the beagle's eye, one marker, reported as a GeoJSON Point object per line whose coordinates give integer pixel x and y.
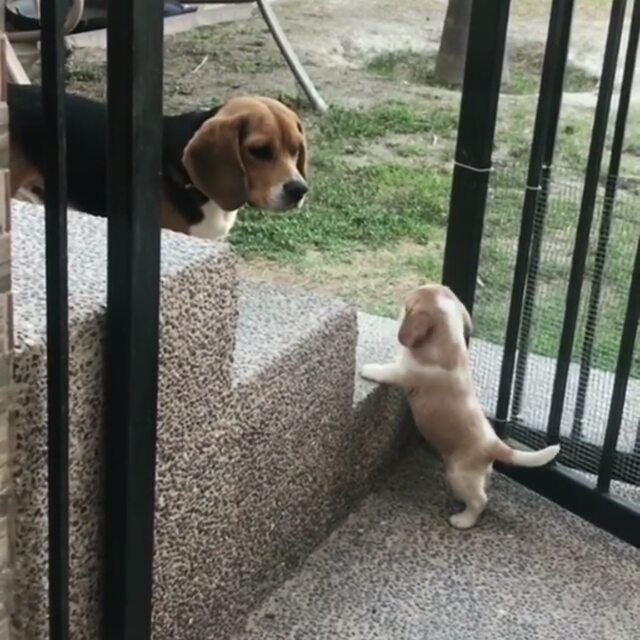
{"type": "Point", "coordinates": [263, 152]}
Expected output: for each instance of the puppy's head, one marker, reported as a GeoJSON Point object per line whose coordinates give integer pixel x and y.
{"type": "Point", "coordinates": [428, 307]}
{"type": "Point", "coordinates": [252, 150]}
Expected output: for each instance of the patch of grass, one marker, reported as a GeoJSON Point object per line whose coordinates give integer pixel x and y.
{"type": "Point", "coordinates": [632, 137]}
{"type": "Point", "coordinates": [385, 119]}
{"type": "Point", "coordinates": [368, 206]}
{"type": "Point", "coordinates": [525, 67]}
{"type": "Point", "coordinates": [515, 130]}
{"type": "Point", "coordinates": [254, 52]}
{"type": "Point", "coordinates": [374, 279]}
{"type": "Point", "coordinates": [404, 64]}
{"type": "Point", "coordinates": [525, 64]}
{"type": "Point", "coordinates": [498, 259]}
{"type": "Point", "coordinates": [372, 205]}
{"type": "Point", "coordinates": [85, 73]}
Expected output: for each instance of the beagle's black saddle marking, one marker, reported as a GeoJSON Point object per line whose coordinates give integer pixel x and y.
{"type": "Point", "coordinates": [87, 149]}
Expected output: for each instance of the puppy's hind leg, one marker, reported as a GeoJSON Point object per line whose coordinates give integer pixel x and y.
{"type": "Point", "coordinates": [468, 486]}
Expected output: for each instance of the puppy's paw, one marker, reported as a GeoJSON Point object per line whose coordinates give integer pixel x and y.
{"type": "Point", "coordinates": [373, 372]}
{"type": "Point", "coordinates": [463, 520]}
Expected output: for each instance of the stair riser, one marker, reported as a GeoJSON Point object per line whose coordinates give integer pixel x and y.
{"type": "Point", "coordinates": [276, 494]}
{"type": "Point", "coordinates": [194, 396]}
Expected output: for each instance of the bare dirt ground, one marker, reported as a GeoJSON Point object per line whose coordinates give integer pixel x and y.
{"type": "Point", "coordinates": [335, 38]}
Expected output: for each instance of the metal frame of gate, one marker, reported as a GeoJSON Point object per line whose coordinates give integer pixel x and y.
{"type": "Point", "coordinates": [134, 77]}
{"type": "Point", "coordinates": [135, 109]}
{"type": "Point", "coordinates": [472, 169]}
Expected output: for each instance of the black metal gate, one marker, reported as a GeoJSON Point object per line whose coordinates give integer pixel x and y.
{"type": "Point", "coordinates": [134, 72]}
{"type": "Point", "coordinates": [590, 404]}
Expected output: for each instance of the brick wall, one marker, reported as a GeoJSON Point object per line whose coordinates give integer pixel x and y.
{"type": "Point", "coordinates": [6, 348]}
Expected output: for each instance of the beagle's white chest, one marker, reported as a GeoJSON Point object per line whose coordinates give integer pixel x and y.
{"type": "Point", "coordinates": [216, 223]}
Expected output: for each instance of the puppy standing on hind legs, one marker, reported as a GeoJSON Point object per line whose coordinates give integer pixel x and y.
{"type": "Point", "coordinates": [432, 366]}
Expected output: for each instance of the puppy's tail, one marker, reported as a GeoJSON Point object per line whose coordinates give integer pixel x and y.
{"type": "Point", "coordinates": [504, 453]}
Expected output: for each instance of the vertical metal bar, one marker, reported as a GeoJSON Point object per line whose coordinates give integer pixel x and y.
{"type": "Point", "coordinates": [574, 288]}
{"type": "Point", "coordinates": [55, 200]}
{"type": "Point", "coordinates": [586, 356]}
{"type": "Point", "coordinates": [538, 228]}
{"type": "Point", "coordinates": [553, 66]}
{"type": "Point", "coordinates": [476, 128]}
{"type": "Point", "coordinates": [528, 303]}
{"type": "Point", "coordinates": [623, 371]}
{"type": "Point", "coordinates": [134, 89]}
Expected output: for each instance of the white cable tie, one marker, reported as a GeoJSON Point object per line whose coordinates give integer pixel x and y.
{"type": "Point", "coordinates": [468, 166]}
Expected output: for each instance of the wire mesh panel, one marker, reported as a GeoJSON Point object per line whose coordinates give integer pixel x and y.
{"type": "Point", "coordinates": [548, 264]}
{"type": "Point", "coordinates": [587, 399]}
{"type": "Point", "coordinates": [493, 287]}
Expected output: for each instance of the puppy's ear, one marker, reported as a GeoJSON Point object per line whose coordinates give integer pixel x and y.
{"type": "Point", "coordinates": [415, 328]}
{"type": "Point", "coordinates": [302, 155]}
{"type": "Point", "coordinates": [466, 321]}
{"type": "Point", "coordinates": [213, 161]}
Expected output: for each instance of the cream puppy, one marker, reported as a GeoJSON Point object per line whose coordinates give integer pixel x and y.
{"type": "Point", "coordinates": [433, 368]}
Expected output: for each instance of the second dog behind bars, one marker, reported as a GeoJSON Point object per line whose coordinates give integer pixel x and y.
{"type": "Point", "coordinates": [433, 368]}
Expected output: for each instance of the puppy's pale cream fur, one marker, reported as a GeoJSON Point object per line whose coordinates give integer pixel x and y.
{"type": "Point", "coordinates": [433, 368]}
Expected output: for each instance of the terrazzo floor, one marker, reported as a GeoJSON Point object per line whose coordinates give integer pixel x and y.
{"type": "Point", "coordinates": [396, 570]}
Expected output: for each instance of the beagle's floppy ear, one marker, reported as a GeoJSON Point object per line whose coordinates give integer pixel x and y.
{"type": "Point", "coordinates": [415, 328]}
{"type": "Point", "coordinates": [213, 161]}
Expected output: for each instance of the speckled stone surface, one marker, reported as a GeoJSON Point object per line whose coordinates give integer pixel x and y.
{"type": "Point", "coordinates": [260, 450]}
{"type": "Point", "coordinates": [317, 436]}
{"type": "Point", "coordinates": [293, 377]}
{"type": "Point", "coordinates": [396, 570]}
{"type": "Point", "coordinates": [382, 416]}
{"type": "Point", "coordinates": [198, 309]}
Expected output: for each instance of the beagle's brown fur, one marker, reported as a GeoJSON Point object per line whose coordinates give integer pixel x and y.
{"type": "Point", "coordinates": [250, 150]}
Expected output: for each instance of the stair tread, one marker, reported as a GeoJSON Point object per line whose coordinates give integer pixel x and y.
{"type": "Point", "coordinates": [274, 320]}
{"type": "Point", "coordinates": [396, 570]}
{"type": "Point", "coordinates": [87, 253]}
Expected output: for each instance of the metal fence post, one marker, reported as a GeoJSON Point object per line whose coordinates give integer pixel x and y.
{"type": "Point", "coordinates": [551, 81]}
{"type": "Point", "coordinates": [476, 128]}
{"type": "Point", "coordinates": [134, 76]}
{"type": "Point", "coordinates": [55, 182]}
{"type": "Point", "coordinates": [583, 230]}
{"type": "Point", "coordinates": [606, 220]}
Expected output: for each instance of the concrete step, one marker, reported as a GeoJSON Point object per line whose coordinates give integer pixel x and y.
{"type": "Point", "coordinates": [198, 315]}
{"type": "Point", "coordinates": [262, 448]}
{"type": "Point", "coordinates": [291, 466]}
{"type": "Point", "coordinates": [396, 570]}
{"type": "Point", "coordinates": [267, 496]}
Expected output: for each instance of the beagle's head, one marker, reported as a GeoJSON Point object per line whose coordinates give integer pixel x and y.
{"type": "Point", "coordinates": [253, 150]}
{"type": "Point", "coordinates": [428, 308]}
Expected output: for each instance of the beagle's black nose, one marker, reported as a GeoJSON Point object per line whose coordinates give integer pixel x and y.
{"type": "Point", "coordinates": [295, 190]}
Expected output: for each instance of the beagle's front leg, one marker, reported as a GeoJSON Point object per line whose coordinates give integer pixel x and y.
{"type": "Point", "coordinates": [390, 373]}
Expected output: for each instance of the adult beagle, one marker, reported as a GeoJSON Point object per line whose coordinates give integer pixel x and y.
{"type": "Point", "coordinates": [249, 150]}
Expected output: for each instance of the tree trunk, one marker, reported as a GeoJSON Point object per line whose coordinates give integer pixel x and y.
{"type": "Point", "coordinates": [453, 45]}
